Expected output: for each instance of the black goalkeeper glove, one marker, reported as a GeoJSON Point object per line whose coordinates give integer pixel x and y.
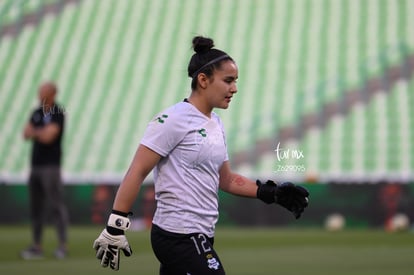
{"type": "Point", "coordinates": [112, 240]}
{"type": "Point", "coordinates": [293, 197]}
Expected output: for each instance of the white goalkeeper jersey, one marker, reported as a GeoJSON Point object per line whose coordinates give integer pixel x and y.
{"type": "Point", "coordinates": [193, 149]}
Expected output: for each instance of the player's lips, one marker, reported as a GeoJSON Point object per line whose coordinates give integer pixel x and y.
{"type": "Point", "coordinates": [228, 98]}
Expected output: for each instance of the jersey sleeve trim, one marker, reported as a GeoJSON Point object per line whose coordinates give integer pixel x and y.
{"type": "Point", "coordinates": [155, 148]}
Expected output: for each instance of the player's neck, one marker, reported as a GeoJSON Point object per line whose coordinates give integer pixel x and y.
{"type": "Point", "coordinates": [200, 104]}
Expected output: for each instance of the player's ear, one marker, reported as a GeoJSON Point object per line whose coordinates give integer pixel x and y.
{"type": "Point", "coordinates": [203, 80]}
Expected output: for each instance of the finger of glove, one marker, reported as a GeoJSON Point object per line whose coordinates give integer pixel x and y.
{"type": "Point", "coordinates": [300, 200]}
{"type": "Point", "coordinates": [298, 213]}
{"type": "Point", "coordinates": [291, 203]}
{"type": "Point", "coordinates": [96, 244]}
{"type": "Point", "coordinates": [302, 190]}
{"type": "Point", "coordinates": [127, 251]}
{"type": "Point", "coordinates": [288, 204]}
{"type": "Point", "coordinates": [291, 200]}
{"type": "Point", "coordinates": [99, 253]}
{"type": "Point", "coordinates": [305, 202]}
{"type": "Point", "coordinates": [295, 193]}
{"type": "Point", "coordinates": [106, 258]}
{"type": "Point", "coordinates": [114, 262]}
{"type": "Point", "coordinates": [285, 196]}
{"type": "Point", "coordinates": [286, 189]}
{"type": "Point", "coordinates": [297, 210]}
{"type": "Point", "coordinates": [282, 200]}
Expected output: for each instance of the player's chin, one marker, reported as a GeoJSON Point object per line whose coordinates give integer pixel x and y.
{"type": "Point", "coordinates": [225, 104]}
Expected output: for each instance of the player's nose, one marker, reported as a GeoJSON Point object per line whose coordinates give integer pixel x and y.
{"type": "Point", "coordinates": [233, 88]}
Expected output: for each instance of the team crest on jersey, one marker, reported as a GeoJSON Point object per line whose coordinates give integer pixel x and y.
{"type": "Point", "coordinates": [161, 119]}
{"type": "Point", "coordinates": [202, 132]}
{"type": "Point", "coordinates": [212, 262]}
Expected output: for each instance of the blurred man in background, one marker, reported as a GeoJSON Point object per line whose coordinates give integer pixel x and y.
{"type": "Point", "coordinates": [45, 130]}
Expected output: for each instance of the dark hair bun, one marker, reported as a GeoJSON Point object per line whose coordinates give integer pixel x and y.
{"type": "Point", "coordinates": [202, 44]}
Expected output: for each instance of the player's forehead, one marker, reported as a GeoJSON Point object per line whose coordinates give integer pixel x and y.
{"type": "Point", "coordinates": [228, 69]}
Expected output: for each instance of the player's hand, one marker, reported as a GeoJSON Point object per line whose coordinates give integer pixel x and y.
{"type": "Point", "coordinates": [112, 240]}
{"type": "Point", "coordinates": [293, 197]}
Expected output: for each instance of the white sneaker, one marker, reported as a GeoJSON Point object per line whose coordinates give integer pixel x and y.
{"type": "Point", "coordinates": [60, 253]}
{"type": "Point", "coordinates": [32, 253]}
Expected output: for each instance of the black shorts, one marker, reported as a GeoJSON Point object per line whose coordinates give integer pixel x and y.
{"type": "Point", "coordinates": [185, 254]}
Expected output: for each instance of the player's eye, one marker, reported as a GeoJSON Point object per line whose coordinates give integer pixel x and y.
{"type": "Point", "coordinates": [230, 80]}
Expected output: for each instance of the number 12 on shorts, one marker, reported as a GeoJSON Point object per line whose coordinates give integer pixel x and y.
{"type": "Point", "coordinates": [203, 243]}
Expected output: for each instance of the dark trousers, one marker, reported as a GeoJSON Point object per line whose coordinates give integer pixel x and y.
{"type": "Point", "coordinates": [46, 197]}
{"type": "Point", "coordinates": [184, 254]}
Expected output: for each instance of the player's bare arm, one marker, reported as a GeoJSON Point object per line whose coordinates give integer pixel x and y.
{"type": "Point", "coordinates": [143, 162]}
{"type": "Point", "coordinates": [292, 197]}
{"type": "Point", "coordinates": [236, 184]}
{"type": "Point", "coordinates": [112, 239]}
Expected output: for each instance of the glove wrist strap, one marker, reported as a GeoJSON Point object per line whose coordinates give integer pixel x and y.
{"type": "Point", "coordinates": [114, 231]}
{"type": "Point", "coordinates": [266, 192]}
{"type": "Point", "coordinates": [124, 214]}
{"type": "Point", "coordinates": [119, 222]}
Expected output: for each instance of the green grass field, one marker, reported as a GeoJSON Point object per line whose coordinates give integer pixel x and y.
{"type": "Point", "coordinates": [242, 251]}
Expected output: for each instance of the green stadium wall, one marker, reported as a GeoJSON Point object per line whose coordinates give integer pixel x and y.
{"type": "Point", "coordinates": [363, 205]}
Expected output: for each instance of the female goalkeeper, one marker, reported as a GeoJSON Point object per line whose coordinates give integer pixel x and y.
{"type": "Point", "coordinates": [186, 146]}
